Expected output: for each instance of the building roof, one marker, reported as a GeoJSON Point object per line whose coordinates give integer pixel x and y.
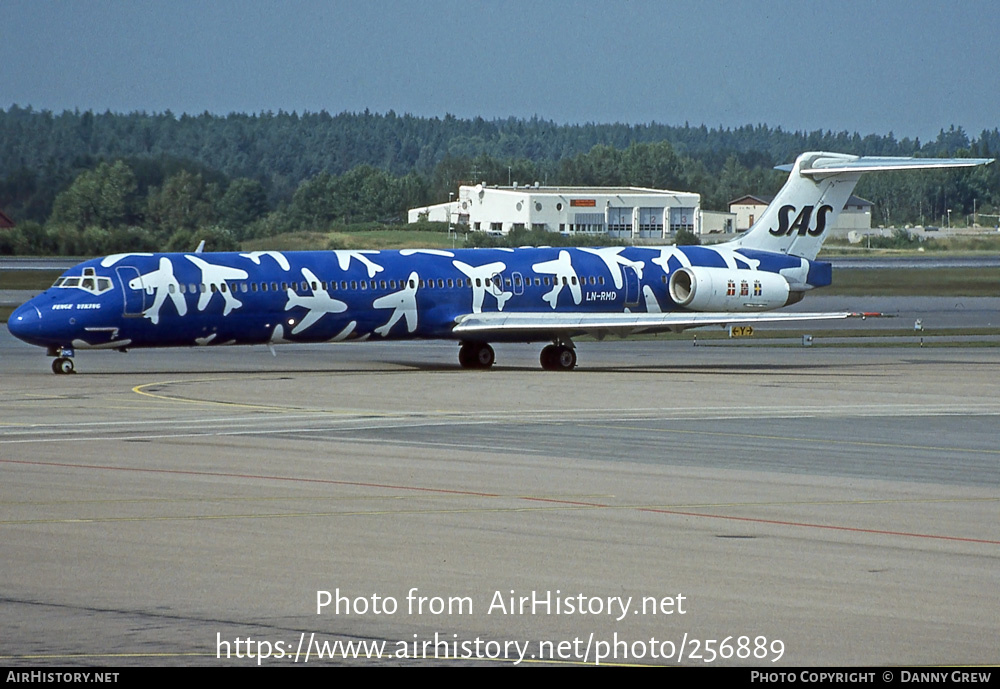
{"type": "Point", "coordinates": [5, 221]}
{"type": "Point", "coordinates": [752, 200]}
{"type": "Point", "coordinates": [569, 191]}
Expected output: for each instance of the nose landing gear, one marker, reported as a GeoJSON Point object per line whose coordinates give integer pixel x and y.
{"type": "Point", "coordinates": [63, 365]}
{"type": "Point", "coordinates": [64, 360]}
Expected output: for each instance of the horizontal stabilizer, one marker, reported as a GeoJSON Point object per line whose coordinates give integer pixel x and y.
{"type": "Point", "coordinates": [822, 166]}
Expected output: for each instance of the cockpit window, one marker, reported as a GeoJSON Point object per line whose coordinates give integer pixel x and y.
{"type": "Point", "coordinates": [88, 282]}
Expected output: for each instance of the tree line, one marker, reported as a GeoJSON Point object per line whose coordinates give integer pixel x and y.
{"type": "Point", "coordinates": [84, 183]}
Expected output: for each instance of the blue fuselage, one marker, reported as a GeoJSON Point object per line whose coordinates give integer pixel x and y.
{"type": "Point", "coordinates": [183, 299]}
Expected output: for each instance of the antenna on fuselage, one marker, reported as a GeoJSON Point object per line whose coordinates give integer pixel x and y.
{"type": "Point", "coordinates": [201, 247]}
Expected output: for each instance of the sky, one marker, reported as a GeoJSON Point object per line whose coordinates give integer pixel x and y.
{"type": "Point", "coordinates": [910, 68]}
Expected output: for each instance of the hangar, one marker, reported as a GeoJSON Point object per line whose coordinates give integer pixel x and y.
{"type": "Point", "coordinates": [620, 212]}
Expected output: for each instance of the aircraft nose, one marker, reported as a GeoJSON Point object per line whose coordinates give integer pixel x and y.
{"type": "Point", "coordinates": [25, 323]}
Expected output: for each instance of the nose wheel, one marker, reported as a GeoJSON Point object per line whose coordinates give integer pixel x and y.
{"type": "Point", "coordinates": [63, 365]}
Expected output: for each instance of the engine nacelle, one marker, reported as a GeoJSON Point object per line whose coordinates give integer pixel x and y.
{"type": "Point", "coordinates": [722, 289]}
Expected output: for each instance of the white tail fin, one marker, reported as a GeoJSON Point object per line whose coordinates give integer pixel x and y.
{"type": "Point", "coordinates": [819, 185]}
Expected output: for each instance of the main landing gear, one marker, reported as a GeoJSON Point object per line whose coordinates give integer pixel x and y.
{"type": "Point", "coordinates": [558, 356]}
{"type": "Point", "coordinates": [476, 355]}
{"type": "Point", "coordinates": [64, 360]}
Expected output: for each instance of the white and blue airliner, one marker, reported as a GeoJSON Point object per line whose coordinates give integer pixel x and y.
{"type": "Point", "coordinates": [470, 296]}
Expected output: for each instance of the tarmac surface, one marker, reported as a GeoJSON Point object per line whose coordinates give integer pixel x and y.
{"type": "Point", "coordinates": [663, 503]}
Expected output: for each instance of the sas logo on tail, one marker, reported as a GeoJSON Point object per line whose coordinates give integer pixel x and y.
{"type": "Point", "coordinates": [801, 222]}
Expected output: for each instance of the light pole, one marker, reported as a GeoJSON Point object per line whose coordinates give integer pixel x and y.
{"type": "Point", "coordinates": [451, 195]}
{"type": "Point", "coordinates": [949, 218]}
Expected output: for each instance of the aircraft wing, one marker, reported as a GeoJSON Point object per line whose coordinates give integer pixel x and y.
{"type": "Point", "coordinates": [484, 325]}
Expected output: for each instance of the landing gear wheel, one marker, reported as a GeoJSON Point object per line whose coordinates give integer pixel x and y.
{"type": "Point", "coordinates": [484, 356]}
{"type": "Point", "coordinates": [558, 358]}
{"type": "Point", "coordinates": [476, 355]}
{"type": "Point", "coordinates": [565, 359]}
{"type": "Point", "coordinates": [547, 357]}
{"type": "Point", "coordinates": [62, 365]}
{"type": "Point", "coordinates": [466, 356]}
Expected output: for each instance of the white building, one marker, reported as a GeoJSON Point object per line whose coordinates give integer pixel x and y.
{"type": "Point", "coordinates": [621, 212]}
{"type": "Point", "coordinates": [717, 222]}
{"type": "Point", "coordinates": [857, 213]}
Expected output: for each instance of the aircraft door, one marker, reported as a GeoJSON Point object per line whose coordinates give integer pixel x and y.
{"type": "Point", "coordinates": [631, 285]}
{"type": "Point", "coordinates": [518, 283]}
{"type": "Point", "coordinates": [496, 284]}
{"type": "Point", "coordinates": [136, 301]}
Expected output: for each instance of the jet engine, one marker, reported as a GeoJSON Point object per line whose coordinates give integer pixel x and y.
{"type": "Point", "coordinates": [723, 289]}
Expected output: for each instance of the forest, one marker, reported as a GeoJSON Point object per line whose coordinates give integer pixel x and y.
{"type": "Point", "coordinates": [85, 183]}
